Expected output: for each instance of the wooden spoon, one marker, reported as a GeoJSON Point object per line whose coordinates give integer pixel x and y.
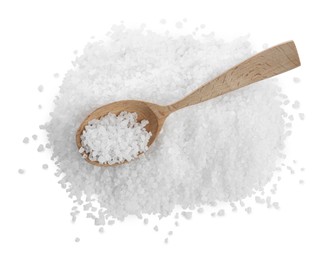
{"type": "Point", "coordinates": [263, 65]}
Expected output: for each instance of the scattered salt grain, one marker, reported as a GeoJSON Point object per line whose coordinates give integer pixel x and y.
{"type": "Point", "coordinates": [166, 240]}
{"type": "Point", "coordinates": [145, 221]}
{"type": "Point", "coordinates": [221, 212]}
{"type": "Point", "coordinates": [301, 116]}
{"type": "Point", "coordinates": [301, 181]}
{"type": "Point", "coordinates": [48, 146]}
{"type": "Point", "coordinates": [276, 205]}
{"type": "Point", "coordinates": [34, 137]}
{"type": "Point", "coordinates": [179, 25]}
{"type": "Point", "coordinates": [296, 105]}
{"type": "Point", "coordinates": [41, 88]}
{"type": "Point", "coordinates": [39, 106]}
{"type": "Point", "coordinates": [162, 21]}
{"type": "Point", "coordinates": [186, 214]}
{"type": "Point", "coordinates": [41, 148]}
{"type": "Point", "coordinates": [45, 166]}
{"type": "Point", "coordinates": [77, 239]}
{"type": "Point", "coordinates": [115, 139]}
{"type": "Point", "coordinates": [259, 200]}
{"type": "Point", "coordinates": [101, 230]}
{"type": "Point", "coordinates": [26, 140]}
{"type": "Point", "coordinates": [200, 210]}
{"type": "Point", "coordinates": [21, 171]}
{"type": "Point", "coordinates": [111, 222]}
{"type": "Point", "coordinates": [296, 80]}
{"type": "Point", "coordinates": [286, 102]}
{"type": "Point", "coordinates": [213, 214]}
{"type": "Point", "coordinates": [56, 75]}
{"type": "Point", "coordinates": [176, 223]}
{"type": "Point", "coordinates": [248, 210]}
{"type": "Point", "coordinates": [170, 233]}
{"type": "Point", "coordinates": [233, 207]}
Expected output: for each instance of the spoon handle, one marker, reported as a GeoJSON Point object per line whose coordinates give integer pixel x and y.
{"type": "Point", "coordinates": [263, 65]}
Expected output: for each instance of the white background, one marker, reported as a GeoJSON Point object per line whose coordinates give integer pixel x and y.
{"type": "Point", "coordinates": [38, 39]}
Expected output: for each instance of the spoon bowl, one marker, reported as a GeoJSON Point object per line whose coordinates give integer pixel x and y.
{"type": "Point", "coordinates": [266, 64]}
{"type": "Point", "coordinates": [154, 113]}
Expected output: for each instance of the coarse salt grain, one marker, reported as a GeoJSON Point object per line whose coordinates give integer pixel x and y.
{"type": "Point", "coordinates": [221, 212]}
{"type": "Point", "coordinates": [26, 140]}
{"type": "Point", "coordinates": [41, 148]}
{"type": "Point", "coordinates": [186, 214]}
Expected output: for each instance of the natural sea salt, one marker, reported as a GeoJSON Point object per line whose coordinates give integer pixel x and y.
{"type": "Point", "coordinates": [115, 139]}
{"type": "Point", "coordinates": [222, 150]}
{"type": "Point", "coordinates": [26, 140]}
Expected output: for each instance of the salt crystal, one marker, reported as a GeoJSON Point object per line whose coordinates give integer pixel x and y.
{"type": "Point", "coordinates": [163, 21]}
{"type": "Point", "coordinates": [170, 233]}
{"type": "Point", "coordinates": [200, 210]}
{"type": "Point", "coordinates": [213, 214]}
{"type": "Point", "coordinates": [186, 214]}
{"type": "Point", "coordinates": [111, 222]}
{"type": "Point", "coordinates": [26, 140]}
{"type": "Point", "coordinates": [21, 171]}
{"type": "Point", "coordinates": [301, 182]}
{"type": "Point", "coordinates": [101, 230]}
{"type": "Point", "coordinates": [77, 239]}
{"type": "Point", "coordinates": [156, 228]}
{"type": "Point", "coordinates": [221, 212]}
{"type": "Point", "coordinates": [45, 166]}
{"type": "Point", "coordinates": [296, 104]}
{"type": "Point", "coordinates": [276, 205]}
{"type": "Point", "coordinates": [145, 221]}
{"type": "Point", "coordinates": [301, 116]}
{"type": "Point", "coordinates": [166, 240]}
{"type": "Point", "coordinates": [259, 200]}
{"type": "Point", "coordinates": [34, 137]}
{"type": "Point", "coordinates": [176, 223]}
{"type": "Point", "coordinates": [41, 88]}
{"type": "Point", "coordinates": [296, 80]}
{"type": "Point", "coordinates": [179, 25]}
{"type": "Point", "coordinates": [56, 75]}
{"type": "Point", "coordinates": [248, 210]}
{"type": "Point", "coordinates": [41, 148]}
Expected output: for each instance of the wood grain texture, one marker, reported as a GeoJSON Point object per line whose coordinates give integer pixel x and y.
{"type": "Point", "coordinates": [263, 65]}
